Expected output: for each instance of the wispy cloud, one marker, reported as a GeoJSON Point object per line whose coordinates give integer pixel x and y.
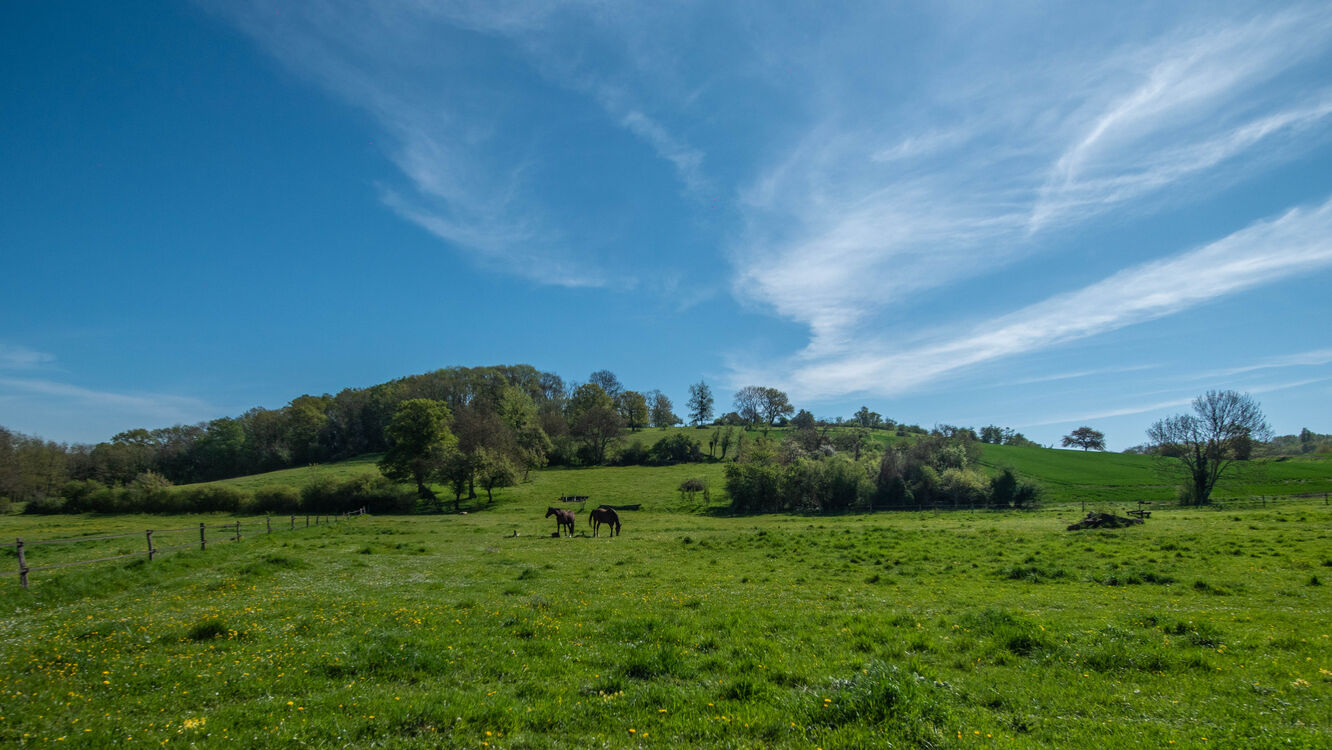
{"type": "Point", "coordinates": [1299, 241]}
{"type": "Point", "coordinates": [451, 86]}
{"type": "Point", "coordinates": [1109, 413]}
{"type": "Point", "coordinates": [859, 217]}
{"type": "Point", "coordinates": [22, 358]}
{"type": "Point", "coordinates": [688, 161]}
{"type": "Point", "coordinates": [147, 408]}
{"type": "Point", "coordinates": [1198, 103]}
{"type": "Point", "coordinates": [1312, 358]}
{"type": "Point", "coordinates": [1055, 377]}
{"type": "Point", "coordinates": [1162, 406]}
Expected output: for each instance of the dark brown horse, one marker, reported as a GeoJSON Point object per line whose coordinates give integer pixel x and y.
{"type": "Point", "coordinates": [563, 518]}
{"type": "Point", "coordinates": [607, 515]}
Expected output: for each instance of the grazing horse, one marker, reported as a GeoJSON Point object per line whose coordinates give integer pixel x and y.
{"type": "Point", "coordinates": [563, 518]}
{"type": "Point", "coordinates": [606, 515]}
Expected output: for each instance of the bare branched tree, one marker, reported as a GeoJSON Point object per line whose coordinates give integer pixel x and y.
{"type": "Point", "coordinates": [1208, 443]}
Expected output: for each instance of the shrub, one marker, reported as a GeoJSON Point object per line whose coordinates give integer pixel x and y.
{"type": "Point", "coordinates": [675, 449]}
{"type": "Point", "coordinates": [1006, 490]}
{"type": "Point", "coordinates": [375, 492]}
{"type": "Point", "coordinates": [45, 506]}
{"type": "Point", "coordinates": [691, 487]}
{"type": "Point", "coordinates": [963, 487]}
{"type": "Point", "coordinates": [277, 498]}
{"type": "Point", "coordinates": [209, 498]}
{"type": "Point", "coordinates": [634, 454]}
{"type": "Point", "coordinates": [75, 494]}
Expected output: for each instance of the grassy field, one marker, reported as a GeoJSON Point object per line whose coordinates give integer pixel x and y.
{"type": "Point", "coordinates": [1202, 628]}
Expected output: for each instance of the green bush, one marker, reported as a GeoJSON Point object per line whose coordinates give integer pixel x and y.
{"type": "Point", "coordinates": [209, 498]}
{"type": "Point", "coordinates": [376, 493]}
{"type": "Point", "coordinates": [45, 506]}
{"type": "Point", "coordinates": [676, 448]}
{"type": "Point", "coordinates": [634, 454]}
{"type": "Point", "coordinates": [277, 498]}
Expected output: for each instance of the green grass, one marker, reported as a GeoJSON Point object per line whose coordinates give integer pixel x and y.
{"type": "Point", "coordinates": [1203, 628]}
{"type": "Point", "coordinates": [1075, 476]}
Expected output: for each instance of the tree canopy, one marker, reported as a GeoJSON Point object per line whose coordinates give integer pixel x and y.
{"type": "Point", "coordinates": [1085, 438]}
{"type": "Point", "coordinates": [420, 443]}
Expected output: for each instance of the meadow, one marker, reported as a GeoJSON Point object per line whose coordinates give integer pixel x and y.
{"type": "Point", "coordinates": [1201, 628]}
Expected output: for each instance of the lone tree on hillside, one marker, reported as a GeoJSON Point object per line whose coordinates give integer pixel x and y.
{"type": "Point", "coordinates": [420, 443]}
{"type": "Point", "coordinates": [1221, 430]}
{"type": "Point", "coordinates": [700, 403]}
{"type": "Point", "coordinates": [663, 411]}
{"type": "Point", "coordinates": [1085, 438]}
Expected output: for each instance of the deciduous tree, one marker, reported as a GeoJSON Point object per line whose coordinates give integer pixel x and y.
{"type": "Point", "coordinates": [593, 421]}
{"type": "Point", "coordinates": [419, 443]}
{"type": "Point", "coordinates": [663, 411]}
{"type": "Point", "coordinates": [749, 405]}
{"type": "Point", "coordinates": [1207, 443]}
{"type": "Point", "coordinates": [633, 408]}
{"type": "Point", "coordinates": [1085, 438]}
{"type": "Point", "coordinates": [700, 403]}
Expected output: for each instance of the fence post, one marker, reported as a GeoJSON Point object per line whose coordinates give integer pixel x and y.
{"type": "Point", "coordinates": [23, 566]}
{"type": "Point", "coordinates": [307, 520]}
{"type": "Point", "coordinates": [293, 521]}
{"type": "Point", "coordinates": [151, 552]}
{"type": "Point", "coordinates": [237, 531]}
{"type": "Point", "coordinates": [203, 542]}
{"type": "Point", "coordinates": [269, 521]}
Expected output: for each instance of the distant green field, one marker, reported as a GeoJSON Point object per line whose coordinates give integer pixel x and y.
{"type": "Point", "coordinates": [1201, 628]}
{"type": "Point", "coordinates": [1073, 476]}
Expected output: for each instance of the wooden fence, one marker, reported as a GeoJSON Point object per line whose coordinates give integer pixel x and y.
{"type": "Point", "coordinates": [229, 532]}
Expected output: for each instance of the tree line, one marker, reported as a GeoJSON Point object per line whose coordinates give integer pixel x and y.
{"type": "Point", "coordinates": [474, 430]}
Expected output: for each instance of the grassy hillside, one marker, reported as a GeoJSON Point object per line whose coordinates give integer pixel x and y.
{"type": "Point", "coordinates": [1198, 629]}
{"type": "Point", "coordinates": [1070, 475]}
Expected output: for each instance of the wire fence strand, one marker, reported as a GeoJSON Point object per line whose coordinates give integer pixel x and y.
{"type": "Point", "coordinates": [236, 536]}
{"type": "Point", "coordinates": [84, 538]}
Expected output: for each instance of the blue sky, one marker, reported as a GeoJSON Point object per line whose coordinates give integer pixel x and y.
{"type": "Point", "coordinates": [1034, 215]}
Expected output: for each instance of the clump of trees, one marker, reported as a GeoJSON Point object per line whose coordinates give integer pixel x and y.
{"type": "Point", "coordinates": [813, 471]}
{"type": "Point", "coordinates": [762, 406]}
{"type": "Point", "coordinates": [1306, 442]}
{"type": "Point", "coordinates": [996, 435]}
